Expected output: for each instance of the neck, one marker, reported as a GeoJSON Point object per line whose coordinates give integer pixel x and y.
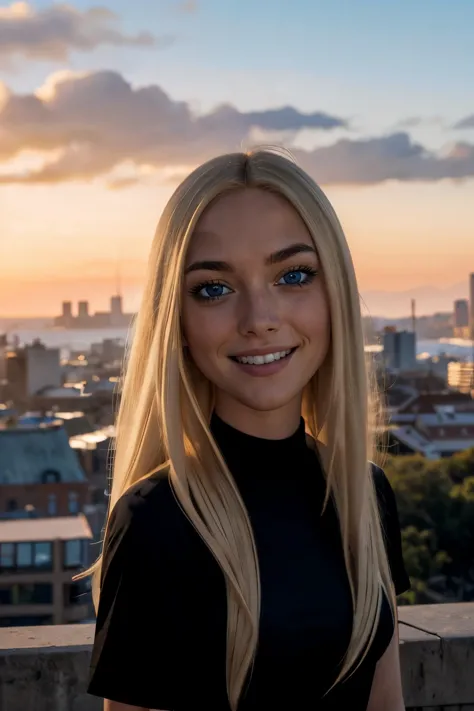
{"type": "Point", "coordinates": [271, 424]}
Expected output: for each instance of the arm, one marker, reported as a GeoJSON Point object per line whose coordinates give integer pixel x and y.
{"type": "Point", "coordinates": [135, 611]}
{"type": "Point", "coordinates": [387, 694]}
{"type": "Point", "coordinates": [116, 706]}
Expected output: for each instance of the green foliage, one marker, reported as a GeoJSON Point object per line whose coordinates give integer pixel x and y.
{"type": "Point", "coordinates": [436, 517]}
{"type": "Point", "coordinates": [460, 465]}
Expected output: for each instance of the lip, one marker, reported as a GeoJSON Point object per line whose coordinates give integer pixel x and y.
{"type": "Point", "coordinates": [266, 369]}
{"type": "Point", "coordinates": [262, 351]}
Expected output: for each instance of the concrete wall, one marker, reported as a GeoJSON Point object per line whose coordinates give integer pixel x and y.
{"type": "Point", "coordinates": [46, 668]}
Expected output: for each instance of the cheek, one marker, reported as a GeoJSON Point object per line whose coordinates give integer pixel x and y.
{"type": "Point", "coordinates": [313, 319]}
{"type": "Point", "coordinates": [204, 329]}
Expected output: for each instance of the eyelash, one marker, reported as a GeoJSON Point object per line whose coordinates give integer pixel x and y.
{"type": "Point", "coordinates": [305, 269]}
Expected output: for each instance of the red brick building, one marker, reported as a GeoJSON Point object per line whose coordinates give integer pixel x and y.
{"type": "Point", "coordinates": [39, 473]}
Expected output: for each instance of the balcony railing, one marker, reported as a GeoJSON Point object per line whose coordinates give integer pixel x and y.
{"type": "Point", "coordinates": [46, 668]}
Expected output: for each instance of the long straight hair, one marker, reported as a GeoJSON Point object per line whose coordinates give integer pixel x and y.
{"type": "Point", "coordinates": [166, 406]}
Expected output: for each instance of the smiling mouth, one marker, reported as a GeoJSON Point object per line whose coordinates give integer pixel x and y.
{"type": "Point", "coordinates": [263, 359]}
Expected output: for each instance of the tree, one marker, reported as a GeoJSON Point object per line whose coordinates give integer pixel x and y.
{"type": "Point", "coordinates": [422, 560]}
{"type": "Point", "coordinates": [436, 519]}
{"type": "Point", "coordinates": [460, 465]}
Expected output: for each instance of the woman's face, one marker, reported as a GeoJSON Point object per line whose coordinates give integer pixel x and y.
{"type": "Point", "coordinates": [255, 311]}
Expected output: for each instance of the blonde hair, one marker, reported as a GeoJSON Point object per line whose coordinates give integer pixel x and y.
{"type": "Point", "coordinates": [166, 405]}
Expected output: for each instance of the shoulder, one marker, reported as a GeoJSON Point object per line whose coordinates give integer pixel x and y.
{"type": "Point", "coordinates": [384, 491]}
{"type": "Point", "coordinates": [390, 522]}
{"type": "Point", "coordinates": [143, 519]}
{"type": "Point", "coordinates": [381, 482]}
{"type": "Point", "coordinates": [150, 500]}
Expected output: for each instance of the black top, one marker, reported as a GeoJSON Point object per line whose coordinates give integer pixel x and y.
{"type": "Point", "coordinates": [161, 626]}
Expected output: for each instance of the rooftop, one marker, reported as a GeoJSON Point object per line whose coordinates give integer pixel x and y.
{"type": "Point", "coordinates": [91, 440]}
{"type": "Point", "coordinates": [28, 455]}
{"type": "Point", "coordinates": [429, 402]}
{"type": "Point", "coordinates": [65, 528]}
{"type": "Point", "coordinates": [46, 668]}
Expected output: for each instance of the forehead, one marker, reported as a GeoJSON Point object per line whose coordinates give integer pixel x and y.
{"type": "Point", "coordinates": [248, 220]}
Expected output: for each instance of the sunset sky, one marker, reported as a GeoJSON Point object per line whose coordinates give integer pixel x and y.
{"type": "Point", "coordinates": [105, 106]}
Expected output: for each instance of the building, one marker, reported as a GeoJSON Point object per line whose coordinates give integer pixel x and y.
{"type": "Point", "coordinates": [432, 424]}
{"type": "Point", "coordinates": [399, 349]}
{"type": "Point", "coordinates": [30, 369]}
{"type": "Point", "coordinates": [116, 313]}
{"type": "Point", "coordinates": [471, 306]}
{"type": "Point", "coordinates": [3, 357]}
{"type": "Point", "coordinates": [40, 472]}
{"type": "Point", "coordinates": [461, 319]}
{"type": "Point", "coordinates": [115, 318]}
{"type": "Point", "coordinates": [436, 366]}
{"type": "Point", "coordinates": [83, 310]}
{"type": "Point", "coordinates": [461, 376]}
{"type": "Point", "coordinates": [434, 436]}
{"type": "Point", "coordinates": [67, 312]}
{"type": "Point", "coordinates": [38, 558]}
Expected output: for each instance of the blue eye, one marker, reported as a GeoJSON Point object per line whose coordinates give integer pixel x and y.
{"type": "Point", "coordinates": [296, 277]}
{"type": "Point", "coordinates": [211, 291]}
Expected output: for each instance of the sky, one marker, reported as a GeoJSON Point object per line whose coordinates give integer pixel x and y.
{"type": "Point", "coordinates": [105, 106]}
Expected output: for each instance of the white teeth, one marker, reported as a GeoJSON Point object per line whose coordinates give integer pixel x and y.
{"type": "Point", "coordinates": [263, 359]}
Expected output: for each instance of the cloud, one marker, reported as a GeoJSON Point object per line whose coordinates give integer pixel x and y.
{"type": "Point", "coordinates": [53, 33]}
{"type": "Point", "coordinates": [392, 157]}
{"type": "Point", "coordinates": [99, 121]}
{"type": "Point", "coordinates": [188, 6]}
{"type": "Point", "coordinates": [467, 122]}
{"type": "Point", "coordinates": [415, 121]}
{"type": "Point", "coordinates": [91, 125]}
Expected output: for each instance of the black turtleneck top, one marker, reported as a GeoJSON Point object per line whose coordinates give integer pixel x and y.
{"type": "Point", "coordinates": [160, 640]}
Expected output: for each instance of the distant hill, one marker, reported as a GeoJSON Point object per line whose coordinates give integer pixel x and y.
{"type": "Point", "coordinates": [13, 324]}
{"type": "Point", "coordinates": [429, 300]}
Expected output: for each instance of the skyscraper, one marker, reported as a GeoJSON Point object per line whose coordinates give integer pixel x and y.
{"type": "Point", "coordinates": [83, 309]}
{"type": "Point", "coordinates": [461, 313]}
{"type": "Point", "coordinates": [67, 309]}
{"type": "Point", "coordinates": [399, 349]}
{"type": "Point", "coordinates": [471, 306]}
{"type": "Point", "coordinates": [116, 313]}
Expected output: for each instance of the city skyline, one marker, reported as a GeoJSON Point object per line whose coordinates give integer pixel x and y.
{"type": "Point", "coordinates": [99, 122]}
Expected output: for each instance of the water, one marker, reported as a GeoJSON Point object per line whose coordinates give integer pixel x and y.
{"type": "Point", "coordinates": [455, 347]}
{"type": "Point", "coordinates": [70, 340]}
{"type": "Point", "coordinates": [78, 339]}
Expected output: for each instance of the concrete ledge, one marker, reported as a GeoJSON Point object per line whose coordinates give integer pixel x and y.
{"type": "Point", "coordinates": [46, 668]}
{"type": "Point", "coordinates": [437, 655]}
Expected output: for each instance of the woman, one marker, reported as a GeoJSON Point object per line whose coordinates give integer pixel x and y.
{"type": "Point", "coordinates": [251, 557]}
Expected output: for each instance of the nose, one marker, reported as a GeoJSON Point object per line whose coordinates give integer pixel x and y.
{"type": "Point", "coordinates": [258, 315]}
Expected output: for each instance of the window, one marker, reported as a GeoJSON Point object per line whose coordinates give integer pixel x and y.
{"type": "Point", "coordinates": [6, 596]}
{"type": "Point", "coordinates": [77, 593]}
{"type": "Point", "coordinates": [73, 502]}
{"type": "Point", "coordinates": [50, 477]}
{"type": "Point", "coordinates": [43, 555]}
{"type": "Point", "coordinates": [24, 555]}
{"type": "Point", "coordinates": [7, 555]}
{"type": "Point", "coordinates": [52, 505]}
{"type": "Point", "coordinates": [73, 554]}
{"type": "Point", "coordinates": [12, 505]}
{"type": "Point", "coordinates": [34, 594]}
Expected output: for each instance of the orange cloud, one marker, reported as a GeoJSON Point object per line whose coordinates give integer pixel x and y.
{"type": "Point", "coordinates": [98, 121]}
{"type": "Point", "coordinates": [52, 33]}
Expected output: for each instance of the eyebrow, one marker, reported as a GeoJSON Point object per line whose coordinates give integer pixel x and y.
{"type": "Point", "coordinates": [276, 258]}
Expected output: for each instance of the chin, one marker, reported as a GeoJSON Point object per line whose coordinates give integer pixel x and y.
{"type": "Point", "coordinates": [266, 402]}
